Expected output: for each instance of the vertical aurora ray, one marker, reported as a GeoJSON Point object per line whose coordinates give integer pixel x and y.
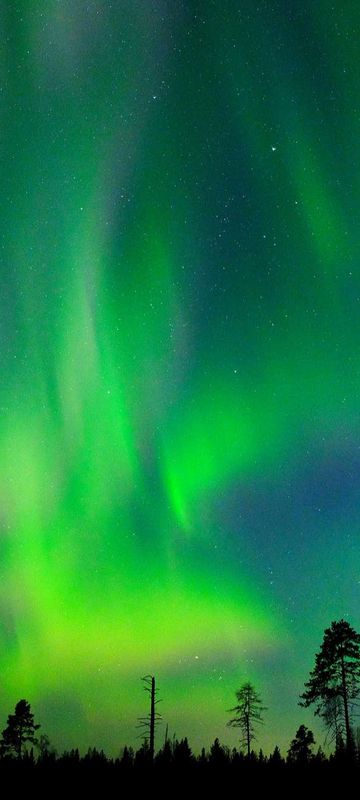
{"type": "Point", "coordinates": [179, 353]}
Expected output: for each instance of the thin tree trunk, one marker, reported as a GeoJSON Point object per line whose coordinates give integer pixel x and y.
{"type": "Point", "coordinates": [346, 706]}
{"type": "Point", "coordinates": [248, 733]}
{"type": "Point", "coordinates": [152, 719]}
{"type": "Point", "coordinates": [20, 741]}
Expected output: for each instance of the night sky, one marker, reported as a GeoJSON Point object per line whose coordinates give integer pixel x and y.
{"type": "Point", "coordinates": [180, 374]}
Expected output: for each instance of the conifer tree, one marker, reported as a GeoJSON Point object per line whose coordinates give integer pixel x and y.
{"type": "Point", "coordinates": [300, 748]}
{"type": "Point", "coordinates": [19, 730]}
{"type": "Point", "coordinates": [335, 679]}
{"type": "Point", "coordinates": [248, 714]}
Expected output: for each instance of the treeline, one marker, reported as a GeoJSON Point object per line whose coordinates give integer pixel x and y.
{"type": "Point", "coordinates": [333, 689]}
{"type": "Point", "coordinates": [176, 767]}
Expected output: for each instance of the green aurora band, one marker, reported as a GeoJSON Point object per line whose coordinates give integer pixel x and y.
{"type": "Point", "coordinates": [180, 357]}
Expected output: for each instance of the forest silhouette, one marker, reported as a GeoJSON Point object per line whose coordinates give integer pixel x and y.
{"type": "Point", "coordinates": [333, 689]}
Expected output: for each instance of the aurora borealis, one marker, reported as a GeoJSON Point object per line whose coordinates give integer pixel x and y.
{"type": "Point", "coordinates": [180, 331]}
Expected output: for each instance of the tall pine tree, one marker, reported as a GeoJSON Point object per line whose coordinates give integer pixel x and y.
{"type": "Point", "coordinates": [19, 730]}
{"type": "Point", "coordinates": [336, 675]}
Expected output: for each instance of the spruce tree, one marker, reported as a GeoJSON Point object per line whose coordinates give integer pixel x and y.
{"type": "Point", "coordinates": [248, 714]}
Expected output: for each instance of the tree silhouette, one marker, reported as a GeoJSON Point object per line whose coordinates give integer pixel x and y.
{"type": "Point", "coordinates": [248, 714]}
{"type": "Point", "coordinates": [217, 755]}
{"type": "Point", "coordinates": [153, 718]}
{"type": "Point", "coordinates": [164, 757]}
{"type": "Point", "coordinates": [275, 758]}
{"type": "Point", "coordinates": [300, 748]}
{"type": "Point", "coordinates": [332, 714]}
{"type": "Point", "coordinates": [20, 729]}
{"type": "Point", "coordinates": [335, 677]}
{"type": "Point", "coordinates": [46, 751]}
{"type": "Point", "coordinates": [127, 758]}
{"type": "Point", "coordinates": [182, 755]}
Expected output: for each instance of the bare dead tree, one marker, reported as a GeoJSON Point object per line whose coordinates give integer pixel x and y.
{"type": "Point", "coordinates": [152, 719]}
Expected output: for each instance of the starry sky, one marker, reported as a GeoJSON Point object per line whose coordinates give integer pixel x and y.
{"type": "Point", "coordinates": [180, 331]}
